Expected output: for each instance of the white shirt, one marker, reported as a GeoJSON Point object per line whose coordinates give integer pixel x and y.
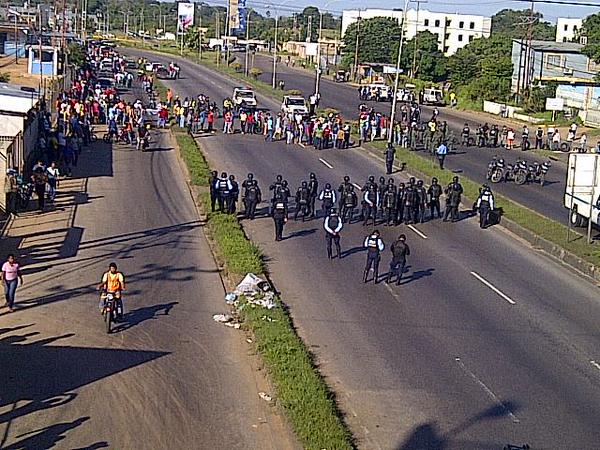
{"type": "Point", "coordinates": [53, 173]}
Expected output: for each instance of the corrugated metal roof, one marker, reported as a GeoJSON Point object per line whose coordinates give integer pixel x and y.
{"type": "Point", "coordinates": [551, 46]}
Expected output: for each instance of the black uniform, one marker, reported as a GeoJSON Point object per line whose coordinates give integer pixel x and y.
{"type": "Point", "coordinates": [280, 215]}
{"type": "Point", "coordinates": [313, 187]}
{"type": "Point", "coordinates": [400, 203]}
{"type": "Point", "coordinates": [465, 135]}
{"type": "Point", "coordinates": [327, 197]}
{"type": "Point", "coordinates": [390, 152]}
{"type": "Point", "coordinates": [370, 202]}
{"type": "Point", "coordinates": [252, 198]}
{"type": "Point", "coordinates": [233, 197]}
{"type": "Point", "coordinates": [212, 180]}
{"type": "Point", "coordinates": [434, 192]}
{"type": "Point", "coordinates": [350, 204]}
{"type": "Point", "coordinates": [421, 200]}
{"type": "Point", "coordinates": [453, 194]}
{"type": "Point", "coordinates": [400, 251]}
{"type": "Point", "coordinates": [410, 204]}
{"type": "Point", "coordinates": [485, 204]}
{"type": "Point", "coordinates": [389, 204]}
{"type": "Point", "coordinates": [302, 201]}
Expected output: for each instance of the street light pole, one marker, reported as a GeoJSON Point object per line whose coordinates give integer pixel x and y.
{"type": "Point", "coordinates": [248, 14]}
{"type": "Point", "coordinates": [397, 79]}
{"type": "Point", "coordinates": [356, 45]}
{"type": "Point", "coordinates": [274, 80]}
{"type": "Point", "coordinates": [319, 70]}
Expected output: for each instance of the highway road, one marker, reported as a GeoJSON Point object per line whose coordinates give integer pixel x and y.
{"type": "Point", "coordinates": [169, 377]}
{"type": "Point", "coordinates": [485, 343]}
{"type": "Point", "coordinates": [472, 162]}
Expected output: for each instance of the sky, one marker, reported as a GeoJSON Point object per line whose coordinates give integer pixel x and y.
{"type": "Point", "coordinates": [482, 7]}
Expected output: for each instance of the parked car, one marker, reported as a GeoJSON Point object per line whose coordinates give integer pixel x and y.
{"type": "Point", "coordinates": [293, 104]}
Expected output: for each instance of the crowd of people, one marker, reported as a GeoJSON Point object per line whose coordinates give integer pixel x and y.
{"type": "Point", "coordinates": [381, 202]}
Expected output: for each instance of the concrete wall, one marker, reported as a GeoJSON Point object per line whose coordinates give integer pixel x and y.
{"type": "Point", "coordinates": [566, 29]}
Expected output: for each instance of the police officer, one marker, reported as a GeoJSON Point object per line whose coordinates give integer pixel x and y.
{"type": "Point", "coordinates": [302, 201]}
{"type": "Point", "coordinates": [434, 193]}
{"type": "Point", "coordinates": [369, 184]}
{"type": "Point", "coordinates": [400, 251]}
{"type": "Point", "coordinates": [333, 225]}
{"type": "Point", "coordinates": [275, 189]}
{"type": "Point", "coordinates": [374, 246]}
{"type": "Point", "coordinates": [328, 198]}
{"type": "Point", "coordinates": [212, 183]}
{"type": "Point", "coordinates": [389, 203]}
{"type": "Point", "coordinates": [493, 142]}
{"type": "Point", "coordinates": [313, 187]}
{"type": "Point", "coordinates": [400, 204]}
{"type": "Point", "coordinates": [390, 152]}
{"type": "Point", "coordinates": [252, 198]}
{"type": "Point", "coordinates": [285, 190]}
{"type": "Point", "coordinates": [350, 203]}
{"type": "Point", "coordinates": [410, 202]}
{"type": "Point", "coordinates": [421, 200]}
{"type": "Point", "coordinates": [485, 204]}
{"type": "Point", "coordinates": [280, 215]}
{"type": "Point", "coordinates": [342, 189]}
{"type": "Point", "coordinates": [370, 202]}
{"type": "Point", "coordinates": [453, 194]}
{"type": "Point", "coordinates": [466, 131]}
{"type": "Point", "coordinates": [233, 196]}
{"type": "Point", "coordinates": [246, 183]}
{"type": "Point", "coordinates": [223, 187]}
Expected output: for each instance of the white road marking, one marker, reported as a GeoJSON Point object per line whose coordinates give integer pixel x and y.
{"type": "Point", "coordinates": [423, 235]}
{"type": "Point", "coordinates": [595, 364]}
{"type": "Point", "coordinates": [326, 163]}
{"type": "Point", "coordinates": [487, 390]}
{"type": "Point", "coordinates": [493, 288]}
{"type": "Point", "coordinates": [301, 145]}
{"type": "Point", "coordinates": [356, 186]}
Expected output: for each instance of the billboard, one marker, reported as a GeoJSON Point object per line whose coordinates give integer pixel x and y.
{"type": "Point", "coordinates": [237, 17]}
{"type": "Point", "coordinates": [185, 16]}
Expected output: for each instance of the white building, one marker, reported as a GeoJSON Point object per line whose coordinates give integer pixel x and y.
{"type": "Point", "coordinates": [454, 30]}
{"type": "Point", "coordinates": [566, 29]}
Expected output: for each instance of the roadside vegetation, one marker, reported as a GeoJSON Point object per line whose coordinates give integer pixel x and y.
{"type": "Point", "coordinates": [301, 390]}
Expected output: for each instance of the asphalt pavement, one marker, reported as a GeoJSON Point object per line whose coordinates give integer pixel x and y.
{"type": "Point", "coordinates": [485, 343]}
{"type": "Point", "coordinates": [168, 377]}
{"type": "Point", "coordinates": [470, 161]}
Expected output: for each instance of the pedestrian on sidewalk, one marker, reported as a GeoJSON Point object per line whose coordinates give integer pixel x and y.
{"type": "Point", "coordinates": [39, 180]}
{"type": "Point", "coordinates": [11, 275]}
{"type": "Point", "coordinates": [52, 173]}
{"type": "Point", "coordinates": [10, 189]}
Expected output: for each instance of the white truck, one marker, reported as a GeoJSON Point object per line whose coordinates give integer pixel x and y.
{"type": "Point", "coordinates": [582, 191]}
{"type": "Point", "coordinates": [244, 97]}
{"type": "Point", "coordinates": [432, 96]}
{"type": "Point", "coordinates": [293, 104]}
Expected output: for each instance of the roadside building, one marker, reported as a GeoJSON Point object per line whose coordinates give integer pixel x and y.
{"type": "Point", "coordinates": [19, 127]}
{"type": "Point", "coordinates": [544, 62]}
{"type": "Point", "coordinates": [454, 31]}
{"type": "Point", "coordinates": [567, 29]}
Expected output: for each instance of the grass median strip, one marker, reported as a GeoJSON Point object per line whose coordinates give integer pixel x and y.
{"type": "Point", "coordinates": [301, 390]}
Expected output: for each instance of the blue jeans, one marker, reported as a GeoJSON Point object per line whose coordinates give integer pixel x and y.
{"type": "Point", "coordinates": [10, 289]}
{"type": "Point", "coordinates": [396, 268]}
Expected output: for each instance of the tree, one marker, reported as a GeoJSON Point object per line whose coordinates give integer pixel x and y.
{"type": "Point", "coordinates": [377, 39]}
{"type": "Point", "coordinates": [515, 24]}
{"type": "Point", "coordinates": [430, 62]}
{"type": "Point", "coordinates": [591, 29]}
{"type": "Point", "coordinates": [483, 68]}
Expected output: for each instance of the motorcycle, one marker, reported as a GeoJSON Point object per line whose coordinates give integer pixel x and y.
{"type": "Point", "coordinates": [495, 172]}
{"type": "Point", "coordinates": [109, 307]}
{"type": "Point", "coordinates": [538, 172]}
{"type": "Point", "coordinates": [521, 172]}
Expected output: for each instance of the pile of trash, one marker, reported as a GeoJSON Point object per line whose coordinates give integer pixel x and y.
{"type": "Point", "coordinates": [257, 293]}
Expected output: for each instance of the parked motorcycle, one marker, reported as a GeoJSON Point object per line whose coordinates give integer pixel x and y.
{"type": "Point", "coordinates": [495, 172]}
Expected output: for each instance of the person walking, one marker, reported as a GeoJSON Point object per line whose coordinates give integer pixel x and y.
{"type": "Point", "coordinates": [39, 179]}
{"type": "Point", "coordinates": [441, 153]}
{"type": "Point", "coordinates": [400, 251]}
{"type": "Point", "coordinates": [10, 189]}
{"type": "Point", "coordinates": [11, 275]}
{"type": "Point", "coordinates": [52, 173]}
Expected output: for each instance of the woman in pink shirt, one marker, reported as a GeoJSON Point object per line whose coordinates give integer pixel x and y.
{"type": "Point", "coordinates": [11, 275]}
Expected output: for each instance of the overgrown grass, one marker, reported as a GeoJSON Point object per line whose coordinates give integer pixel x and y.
{"type": "Point", "coordinates": [548, 229]}
{"type": "Point", "coordinates": [301, 390]}
{"type": "Point", "coordinates": [194, 159]}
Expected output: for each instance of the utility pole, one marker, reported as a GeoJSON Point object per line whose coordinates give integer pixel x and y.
{"type": "Point", "coordinates": [413, 70]}
{"type": "Point", "coordinates": [309, 29]}
{"type": "Point", "coordinates": [529, 55]}
{"type": "Point", "coordinates": [248, 14]}
{"type": "Point", "coordinates": [397, 79]}
{"type": "Point", "coordinates": [200, 34]}
{"type": "Point", "coordinates": [217, 33]}
{"type": "Point", "coordinates": [275, 51]}
{"type": "Point", "coordinates": [355, 69]}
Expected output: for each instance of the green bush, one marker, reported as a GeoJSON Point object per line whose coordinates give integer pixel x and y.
{"type": "Point", "coordinates": [255, 72]}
